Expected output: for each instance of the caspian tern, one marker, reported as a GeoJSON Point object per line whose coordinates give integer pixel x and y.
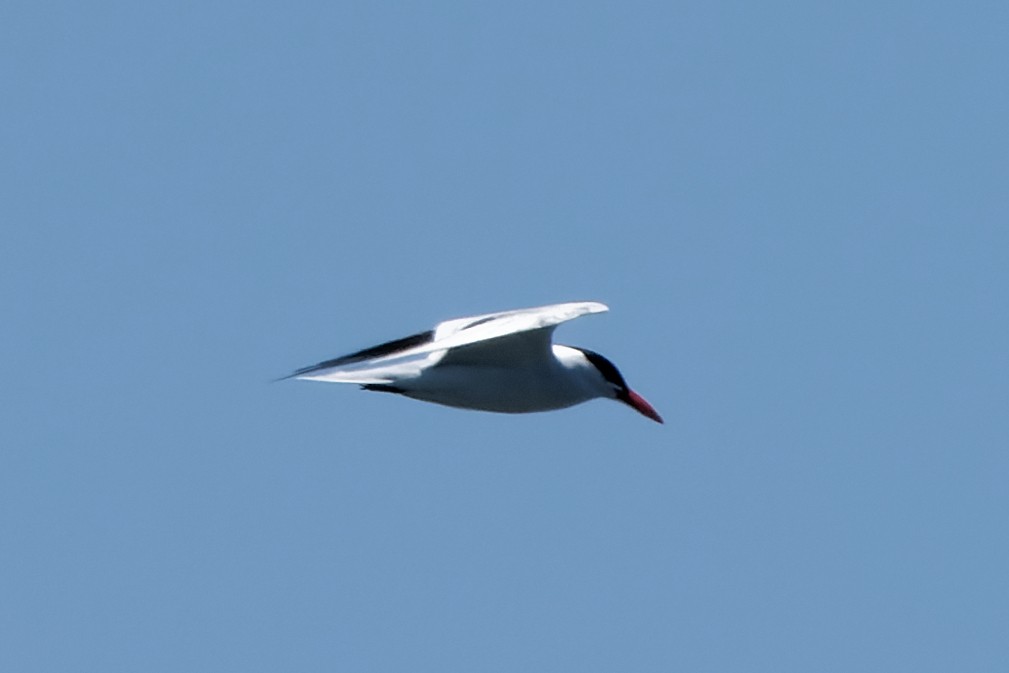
{"type": "Point", "coordinates": [504, 362]}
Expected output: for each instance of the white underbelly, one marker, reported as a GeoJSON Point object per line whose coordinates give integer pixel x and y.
{"type": "Point", "coordinates": [495, 389]}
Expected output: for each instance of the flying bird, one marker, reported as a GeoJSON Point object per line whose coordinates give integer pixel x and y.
{"type": "Point", "coordinates": [504, 362]}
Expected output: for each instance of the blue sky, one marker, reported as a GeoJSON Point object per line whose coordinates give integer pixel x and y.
{"type": "Point", "coordinates": [797, 213]}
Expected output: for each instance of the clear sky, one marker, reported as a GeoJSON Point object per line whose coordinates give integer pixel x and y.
{"type": "Point", "coordinates": [797, 212]}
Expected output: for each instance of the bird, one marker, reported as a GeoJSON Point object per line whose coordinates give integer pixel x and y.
{"type": "Point", "coordinates": [503, 362]}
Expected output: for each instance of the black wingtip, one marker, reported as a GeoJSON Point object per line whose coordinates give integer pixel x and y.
{"type": "Point", "coordinates": [380, 350]}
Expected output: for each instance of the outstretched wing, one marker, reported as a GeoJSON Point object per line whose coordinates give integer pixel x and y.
{"type": "Point", "coordinates": [529, 325]}
{"type": "Point", "coordinates": [523, 332]}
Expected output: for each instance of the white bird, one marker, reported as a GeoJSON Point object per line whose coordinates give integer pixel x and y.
{"type": "Point", "coordinates": [504, 362]}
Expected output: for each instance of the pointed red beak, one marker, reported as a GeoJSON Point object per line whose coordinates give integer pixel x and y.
{"type": "Point", "coordinates": [640, 404]}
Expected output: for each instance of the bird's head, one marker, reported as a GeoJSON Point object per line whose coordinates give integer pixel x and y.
{"type": "Point", "coordinates": [616, 388]}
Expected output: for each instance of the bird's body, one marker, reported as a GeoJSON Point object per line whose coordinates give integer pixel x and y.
{"type": "Point", "coordinates": [503, 362]}
{"type": "Point", "coordinates": [538, 386]}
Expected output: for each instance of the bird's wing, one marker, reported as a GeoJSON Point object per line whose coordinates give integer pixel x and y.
{"type": "Point", "coordinates": [505, 338]}
{"type": "Point", "coordinates": [354, 360]}
{"type": "Point", "coordinates": [536, 324]}
{"type": "Point", "coordinates": [522, 332]}
{"type": "Point", "coordinates": [363, 373]}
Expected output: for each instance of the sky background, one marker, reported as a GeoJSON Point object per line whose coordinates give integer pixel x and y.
{"type": "Point", "coordinates": [797, 212]}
